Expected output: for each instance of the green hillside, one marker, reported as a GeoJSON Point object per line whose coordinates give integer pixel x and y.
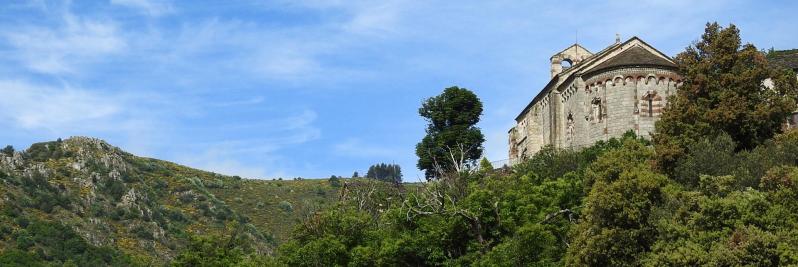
{"type": "Point", "coordinates": [276, 206]}
{"type": "Point", "coordinates": [86, 202]}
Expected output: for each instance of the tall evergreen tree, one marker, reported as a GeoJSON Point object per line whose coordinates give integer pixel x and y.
{"type": "Point", "coordinates": [385, 172]}
{"type": "Point", "coordinates": [724, 91]}
{"type": "Point", "coordinates": [451, 131]}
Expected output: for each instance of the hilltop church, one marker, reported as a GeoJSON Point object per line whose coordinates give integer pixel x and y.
{"type": "Point", "coordinates": [595, 96]}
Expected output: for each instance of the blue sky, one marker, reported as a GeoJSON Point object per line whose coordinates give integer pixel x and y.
{"type": "Point", "coordinates": [267, 89]}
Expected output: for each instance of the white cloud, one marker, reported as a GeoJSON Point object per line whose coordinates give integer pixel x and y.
{"type": "Point", "coordinates": [34, 107]}
{"type": "Point", "coordinates": [149, 7]}
{"type": "Point", "coordinates": [135, 122]}
{"type": "Point", "coordinates": [285, 63]}
{"type": "Point", "coordinates": [61, 49]}
{"type": "Point", "coordinates": [262, 155]}
{"type": "Point", "coordinates": [240, 102]}
{"type": "Point", "coordinates": [378, 18]}
{"type": "Point", "coordinates": [219, 159]}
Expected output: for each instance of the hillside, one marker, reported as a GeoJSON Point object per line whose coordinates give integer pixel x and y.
{"type": "Point", "coordinates": [84, 201]}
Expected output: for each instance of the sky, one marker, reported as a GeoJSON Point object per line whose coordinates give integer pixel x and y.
{"type": "Point", "coordinates": [268, 89]}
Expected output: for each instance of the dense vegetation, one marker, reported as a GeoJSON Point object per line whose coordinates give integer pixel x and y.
{"type": "Point", "coordinates": [717, 187]}
{"type": "Point", "coordinates": [83, 202]}
{"type": "Point", "coordinates": [385, 172]}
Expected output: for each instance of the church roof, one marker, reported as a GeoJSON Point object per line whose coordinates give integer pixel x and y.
{"type": "Point", "coordinates": [784, 58]}
{"type": "Point", "coordinates": [635, 56]}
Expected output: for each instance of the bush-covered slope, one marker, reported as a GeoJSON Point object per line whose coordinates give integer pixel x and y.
{"type": "Point", "coordinates": [86, 202]}
{"type": "Point", "coordinates": [277, 206]}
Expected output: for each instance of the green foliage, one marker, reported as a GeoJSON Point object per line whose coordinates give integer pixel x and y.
{"type": "Point", "coordinates": [45, 151]}
{"type": "Point", "coordinates": [615, 227]}
{"type": "Point", "coordinates": [723, 93]}
{"type": "Point", "coordinates": [485, 166]}
{"type": "Point", "coordinates": [167, 202]}
{"type": "Point", "coordinates": [209, 251]}
{"type": "Point", "coordinates": [385, 172]}
{"type": "Point", "coordinates": [8, 150]}
{"type": "Point", "coordinates": [40, 243]}
{"type": "Point", "coordinates": [600, 206]}
{"type": "Point", "coordinates": [488, 219]}
{"type": "Point", "coordinates": [19, 258]}
{"type": "Point", "coordinates": [335, 181]}
{"type": "Point", "coordinates": [451, 131]}
{"type": "Point", "coordinates": [41, 194]}
{"type": "Point", "coordinates": [142, 232]}
{"type": "Point", "coordinates": [286, 206]}
{"type": "Point", "coordinates": [326, 239]}
{"type": "Point", "coordinates": [714, 156]}
{"type": "Point", "coordinates": [114, 188]}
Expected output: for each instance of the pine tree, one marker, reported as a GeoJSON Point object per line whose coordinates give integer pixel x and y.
{"type": "Point", "coordinates": [724, 92]}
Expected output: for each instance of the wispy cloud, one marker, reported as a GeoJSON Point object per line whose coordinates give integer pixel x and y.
{"type": "Point", "coordinates": [34, 107]}
{"type": "Point", "coordinates": [240, 102]}
{"type": "Point", "coordinates": [382, 18]}
{"type": "Point", "coordinates": [149, 7]}
{"type": "Point", "coordinates": [64, 47]}
{"type": "Point", "coordinates": [253, 157]}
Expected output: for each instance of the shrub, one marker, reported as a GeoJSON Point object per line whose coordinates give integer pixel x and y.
{"type": "Point", "coordinates": [334, 181]}
{"type": "Point", "coordinates": [176, 215]}
{"type": "Point", "coordinates": [285, 206]}
{"type": "Point", "coordinates": [24, 240]}
{"type": "Point", "coordinates": [114, 188]}
{"type": "Point", "coordinates": [142, 232]}
{"type": "Point", "coordinates": [8, 151]}
{"type": "Point", "coordinates": [713, 157]}
{"type": "Point", "coordinates": [320, 191]}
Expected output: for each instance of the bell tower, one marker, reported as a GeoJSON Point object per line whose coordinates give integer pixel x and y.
{"type": "Point", "coordinates": [568, 57]}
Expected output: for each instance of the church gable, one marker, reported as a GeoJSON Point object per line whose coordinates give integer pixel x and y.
{"type": "Point", "coordinates": [635, 56]}
{"type": "Point", "coordinates": [633, 52]}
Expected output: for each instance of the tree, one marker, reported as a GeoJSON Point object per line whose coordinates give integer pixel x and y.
{"type": "Point", "coordinates": [209, 251]}
{"type": "Point", "coordinates": [8, 150]}
{"type": "Point", "coordinates": [724, 91]}
{"type": "Point", "coordinates": [485, 166]}
{"type": "Point", "coordinates": [452, 136]}
{"type": "Point", "coordinates": [385, 172]}
{"type": "Point", "coordinates": [615, 227]}
{"type": "Point", "coordinates": [335, 181]}
{"type": "Point", "coordinates": [355, 175]}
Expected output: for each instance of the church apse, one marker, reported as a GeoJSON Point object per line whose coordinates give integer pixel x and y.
{"type": "Point", "coordinates": [595, 97]}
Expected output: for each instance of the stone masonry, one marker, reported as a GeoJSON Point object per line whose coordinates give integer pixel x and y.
{"type": "Point", "coordinates": [593, 97]}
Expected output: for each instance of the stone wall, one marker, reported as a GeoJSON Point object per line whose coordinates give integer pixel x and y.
{"type": "Point", "coordinates": [593, 107]}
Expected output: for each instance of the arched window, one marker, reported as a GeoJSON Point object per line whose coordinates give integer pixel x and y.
{"type": "Point", "coordinates": [566, 63]}
{"type": "Point", "coordinates": [650, 99]}
{"type": "Point", "coordinates": [650, 106]}
{"type": "Point", "coordinates": [597, 108]}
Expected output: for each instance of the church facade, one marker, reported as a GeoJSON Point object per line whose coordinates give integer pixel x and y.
{"type": "Point", "coordinates": [595, 96]}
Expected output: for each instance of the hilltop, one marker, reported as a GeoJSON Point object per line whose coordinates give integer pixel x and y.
{"type": "Point", "coordinates": [84, 201]}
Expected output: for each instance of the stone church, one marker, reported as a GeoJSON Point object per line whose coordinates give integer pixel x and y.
{"type": "Point", "coordinates": [595, 96]}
